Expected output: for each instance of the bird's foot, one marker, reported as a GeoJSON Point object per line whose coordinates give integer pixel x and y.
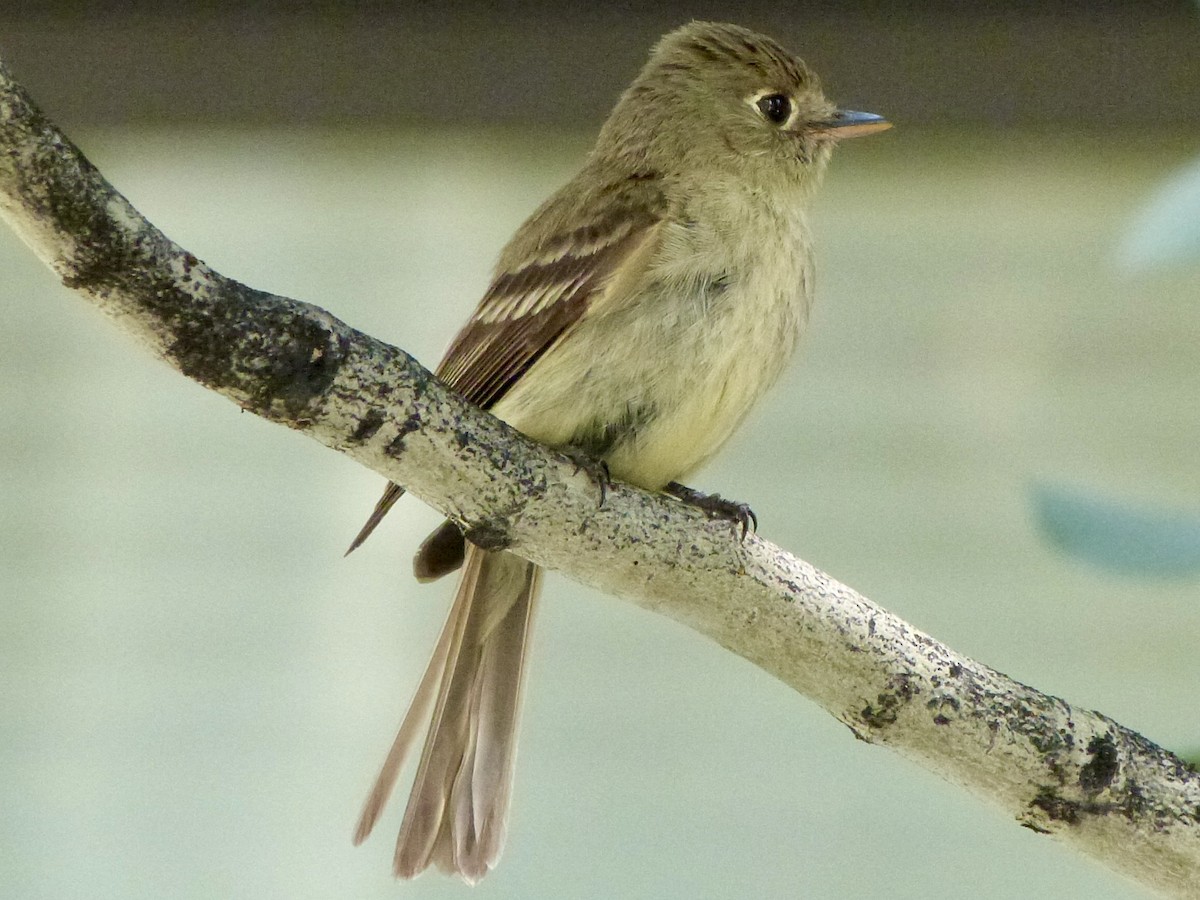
{"type": "Point", "coordinates": [595, 467]}
{"type": "Point", "coordinates": [740, 515]}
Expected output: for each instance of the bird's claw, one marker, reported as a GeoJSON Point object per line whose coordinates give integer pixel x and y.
{"type": "Point", "coordinates": [596, 468]}
{"type": "Point", "coordinates": [740, 515]}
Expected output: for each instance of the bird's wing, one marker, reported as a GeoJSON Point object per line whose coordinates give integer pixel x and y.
{"type": "Point", "coordinates": [540, 291]}
{"type": "Point", "coordinates": [541, 288]}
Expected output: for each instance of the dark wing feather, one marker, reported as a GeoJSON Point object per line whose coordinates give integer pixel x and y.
{"type": "Point", "coordinates": [530, 306]}
{"type": "Point", "coordinates": [541, 289]}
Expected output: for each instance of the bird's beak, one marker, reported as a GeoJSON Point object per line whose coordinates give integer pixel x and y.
{"type": "Point", "coordinates": [846, 123]}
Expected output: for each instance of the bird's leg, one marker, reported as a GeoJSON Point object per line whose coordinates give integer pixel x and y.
{"type": "Point", "coordinates": [596, 467]}
{"type": "Point", "coordinates": [740, 515]}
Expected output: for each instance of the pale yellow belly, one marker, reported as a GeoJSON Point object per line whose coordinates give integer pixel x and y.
{"type": "Point", "coordinates": [655, 382]}
{"type": "Point", "coordinates": [681, 375]}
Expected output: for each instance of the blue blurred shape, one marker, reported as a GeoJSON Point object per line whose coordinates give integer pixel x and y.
{"type": "Point", "coordinates": [1166, 231]}
{"type": "Point", "coordinates": [1116, 536]}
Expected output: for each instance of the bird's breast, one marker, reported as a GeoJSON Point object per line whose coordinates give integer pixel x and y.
{"type": "Point", "coordinates": [656, 382]}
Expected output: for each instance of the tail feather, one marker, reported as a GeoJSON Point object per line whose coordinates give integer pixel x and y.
{"type": "Point", "coordinates": [414, 720]}
{"type": "Point", "coordinates": [446, 742]}
{"type": "Point", "coordinates": [457, 812]}
{"type": "Point", "coordinates": [481, 810]}
{"type": "Point", "coordinates": [391, 494]}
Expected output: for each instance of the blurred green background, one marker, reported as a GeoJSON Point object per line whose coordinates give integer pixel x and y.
{"type": "Point", "coordinates": [196, 689]}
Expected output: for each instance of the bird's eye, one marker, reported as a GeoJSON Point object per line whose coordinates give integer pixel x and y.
{"type": "Point", "coordinates": [775, 108]}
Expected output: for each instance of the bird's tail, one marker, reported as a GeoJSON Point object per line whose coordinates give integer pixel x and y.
{"type": "Point", "coordinates": [458, 809]}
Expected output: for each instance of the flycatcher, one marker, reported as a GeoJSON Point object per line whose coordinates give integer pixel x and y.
{"type": "Point", "coordinates": [635, 318]}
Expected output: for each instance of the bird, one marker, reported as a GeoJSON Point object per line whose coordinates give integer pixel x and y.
{"type": "Point", "coordinates": [633, 320]}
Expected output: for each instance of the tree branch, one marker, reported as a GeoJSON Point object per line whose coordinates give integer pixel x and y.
{"type": "Point", "coordinates": [1059, 770]}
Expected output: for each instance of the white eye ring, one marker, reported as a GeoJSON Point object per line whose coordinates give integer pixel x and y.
{"type": "Point", "coordinates": [756, 101]}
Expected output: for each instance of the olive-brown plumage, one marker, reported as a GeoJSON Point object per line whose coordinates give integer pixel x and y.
{"type": "Point", "coordinates": [635, 317]}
